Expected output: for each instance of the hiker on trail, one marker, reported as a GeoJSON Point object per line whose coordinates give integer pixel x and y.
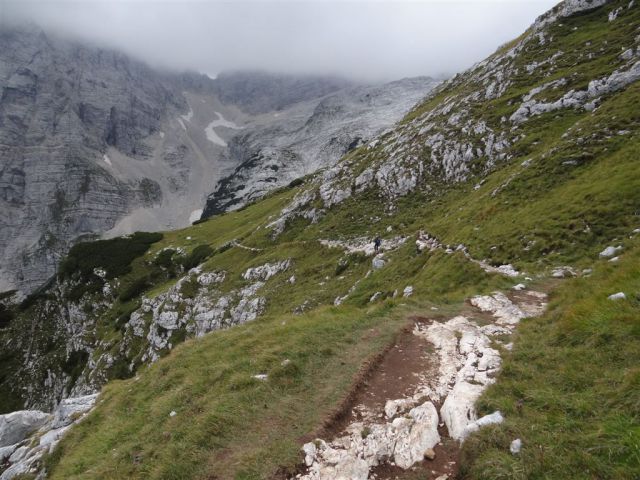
{"type": "Point", "coordinates": [376, 244]}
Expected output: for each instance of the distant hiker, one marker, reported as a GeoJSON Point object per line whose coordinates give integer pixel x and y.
{"type": "Point", "coordinates": [376, 244]}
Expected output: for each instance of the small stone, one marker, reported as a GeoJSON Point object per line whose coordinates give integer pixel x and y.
{"type": "Point", "coordinates": [377, 263]}
{"type": "Point", "coordinates": [408, 291]}
{"type": "Point", "coordinates": [515, 446]}
{"type": "Point", "coordinates": [375, 296]}
{"type": "Point", "coordinates": [519, 286]}
{"type": "Point", "coordinates": [617, 296]}
{"type": "Point", "coordinates": [429, 454]}
{"type": "Point", "coordinates": [173, 413]}
{"type": "Point", "coordinates": [610, 251]}
{"type": "Point", "coordinates": [614, 259]}
{"type": "Point", "coordinates": [261, 376]}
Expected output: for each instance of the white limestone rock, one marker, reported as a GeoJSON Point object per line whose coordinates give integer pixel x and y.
{"type": "Point", "coordinates": [506, 312]}
{"type": "Point", "coordinates": [491, 419]}
{"type": "Point", "coordinates": [515, 446]}
{"type": "Point", "coordinates": [610, 251]}
{"type": "Point", "coordinates": [617, 296]}
{"type": "Point", "coordinates": [378, 262]}
{"type": "Point", "coordinates": [71, 409]}
{"type": "Point", "coordinates": [266, 271]}
{"type": "Point", "coordinates": [16, 426]}
{"type": "Point", "coordinates": [420, 433]}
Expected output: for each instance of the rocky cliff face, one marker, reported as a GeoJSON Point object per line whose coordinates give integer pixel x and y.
{"type": "Point", "coordinates": [82, 132]}
{"type": "Point", "coordinates": [93, 142]}
{"type": "Point", "coordinates": [481, 119]}
{"type": "Point", "coordinates": [297, 141]}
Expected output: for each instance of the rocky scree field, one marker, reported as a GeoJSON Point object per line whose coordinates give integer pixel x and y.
{"type": "Point", "coordinates": [529, 159]}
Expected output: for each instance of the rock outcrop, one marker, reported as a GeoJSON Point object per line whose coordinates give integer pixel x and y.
{"type": "Point", "coordinates": [284, 146]}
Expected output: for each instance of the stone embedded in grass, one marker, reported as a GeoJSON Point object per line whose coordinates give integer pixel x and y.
{"type": "Point", "coordinates": [519, 286]}
{"type": "Point", "coordinates": [408, 291]}
{"type": "Point", "coordinates": [261, 376]}
{"type": "Point", "coordinates": [378, 262]}
{"type": "Point", "coordinates": [491, 419]}
{"type": "Point", "coordinates": [610, 251]}
{"type": "Point", "coordinates": [563, 272]}
{"type": "Point", "coordinates": [617, 296]}
{"type": "Point", "coordinates": [515, 446]}
{"type": "Point", "coordinates": [172, 413]}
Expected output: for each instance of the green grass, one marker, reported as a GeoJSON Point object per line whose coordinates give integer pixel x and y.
{"type": "Point", "coordinates": [575, 371]}
{"type": "Point", "coordinates": [228, 424]}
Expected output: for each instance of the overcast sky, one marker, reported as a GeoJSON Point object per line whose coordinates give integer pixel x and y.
{"type": "Point", "coordinates": [372, 40]}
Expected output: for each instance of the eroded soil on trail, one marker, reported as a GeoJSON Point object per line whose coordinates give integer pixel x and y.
{"type": "Point", "coordinates": [414, 403]}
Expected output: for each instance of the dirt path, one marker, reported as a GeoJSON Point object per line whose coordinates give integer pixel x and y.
{"type": "Point", "coordinates": [407, 419]}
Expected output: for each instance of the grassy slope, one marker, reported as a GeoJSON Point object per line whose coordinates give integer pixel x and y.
{"type": "Point", "coordinates": [545, 215]}
{"type": "Point", "coordinates": [575, 372]}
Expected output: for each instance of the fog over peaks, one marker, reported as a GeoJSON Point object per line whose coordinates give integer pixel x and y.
{"type": "Point", "coordinates": [367, 40]}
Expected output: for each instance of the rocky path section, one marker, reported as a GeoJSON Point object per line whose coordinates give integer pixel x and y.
{"type": "Point", "coordinates": [25, 436]}
{"type": "Point", "coordinates": [420, 401]}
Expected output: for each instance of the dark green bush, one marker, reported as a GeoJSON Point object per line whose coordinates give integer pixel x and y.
{"type": "Point", "coordinates": [134, 288]}
{"type": "Point", "coordinates": [197, 256]}
{"type": "Point", "coordinates": [296, 183]}
{"type": "Point", "coordinates": [6, 315]}
{"type": "Point", "coordinates": [75, 364]}
{"type": "Point", "coordinates": [164, 258]}
{"type": "Point", "coordinates": [114, 255]}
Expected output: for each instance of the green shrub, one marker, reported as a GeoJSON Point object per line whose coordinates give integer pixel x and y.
{"type": "Point", "coordinates": [134, 288]}
{"type": "Point", "coordinates": [6, 315]}
{"type": "Point", "coordinates": [123, 312]}
{"type": "Point", "coordinates": [114, 256]}
{"type": "Point", "coordinates": [75, 364]}
{"type": "Point", "coordinates": [189, 288]}
{"type": "Point", "coordinates": [197, 256]}
{"type": "Point", "coordinates": [164, 258]}
{"type": "Point", "coordinates": [296, 183]}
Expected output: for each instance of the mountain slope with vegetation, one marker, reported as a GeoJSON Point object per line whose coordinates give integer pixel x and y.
{"type": "Point", "coordinates": [529, 159]}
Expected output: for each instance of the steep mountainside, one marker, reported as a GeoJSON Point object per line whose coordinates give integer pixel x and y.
{"type": "Point", "coordinates": [88, 136]}
{"type": "Point", "coordinates": [95, 142]}
{"type": "Point", "coordinates": [511, 186]}
{"type": "Point", "coordinates": [287, 145]}
{"type": "Point", "coordinates": [261, 92]}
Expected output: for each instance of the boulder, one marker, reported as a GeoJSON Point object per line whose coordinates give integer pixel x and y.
{"type": "Point", "coordinates": [491, 419]}
{"type": "Point", "coordinates": [378, 262]}
{"type": "Point", "coordinates": [16, 426]}
{"type": "Point", "coordinates": [419, 435]}
{"type": "Point", "coordinates": [71, 408]}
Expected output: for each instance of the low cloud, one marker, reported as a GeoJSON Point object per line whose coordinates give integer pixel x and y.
{"type": "Point", "coordinates": [371, 40]}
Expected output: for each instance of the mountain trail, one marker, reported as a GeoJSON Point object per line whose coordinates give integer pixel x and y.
{"type": "Point", "coordinates": [415, 406]}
